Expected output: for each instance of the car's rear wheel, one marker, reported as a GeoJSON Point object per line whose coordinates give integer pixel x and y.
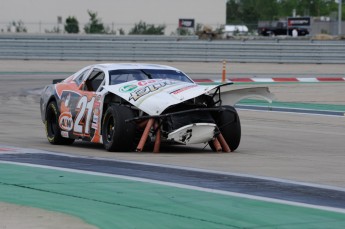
{"type": "Point", "coordinates": [229, 126]}
{"type": "Point", "coordinates": [117, 134]}
{"type": "Point", "coordinates": [53, 131]}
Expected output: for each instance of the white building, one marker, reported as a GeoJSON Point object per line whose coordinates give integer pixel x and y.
{"type": "Point", "coordinates": [41, 15]}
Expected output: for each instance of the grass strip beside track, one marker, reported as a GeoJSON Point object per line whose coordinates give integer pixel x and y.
{"type": "Point", "coordinates": [108, 202]}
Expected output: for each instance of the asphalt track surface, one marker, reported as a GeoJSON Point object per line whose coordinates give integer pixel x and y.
{"type": "Point", "coordinates": [218, 181]}
{"type": "Point", "coordinates": [297, 157]}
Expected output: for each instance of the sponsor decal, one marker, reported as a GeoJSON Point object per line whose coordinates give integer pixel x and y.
{"type": "Point", "coordinates": [299, 21]}
{"type": "Point", "coordinates": [65, 87]}
{"type": "Point", "coordinates": [182, 89]}
{"type": "Point", "coordinates": [186, 23]}
{"type": "Point", "coordinates": [128, 88]}
{"type": "Point", "coordinates": [186, 136]}
{"type": "Point", "coordinates": [94, 126]}
{"type": "Point", "coordinates": [97, 104]}
{"type": "Point", "coordinates": [64, 134]}
{"type": "Point", "coordinates": [146, 82]}
{"type": "Point", "coordinates": [96, 111]}
{"type": "Point", "coordinates": [137, 94]}
{"type": "Point", "coordinates": [95, 118]}
{"type": "Point", "coordinates": [66, 121]}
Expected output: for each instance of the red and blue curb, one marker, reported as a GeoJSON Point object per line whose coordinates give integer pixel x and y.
{"type": "Point", "coordinates": [276, 80]}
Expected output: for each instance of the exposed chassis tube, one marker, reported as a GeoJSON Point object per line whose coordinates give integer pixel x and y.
{"type": "Point", "coordinates": [154, 121]}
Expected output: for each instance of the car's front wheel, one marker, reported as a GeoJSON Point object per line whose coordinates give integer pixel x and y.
{"type": "Point", "coordinates": [53, 131]}
{"type": "Point", "coordinates": [229, 125]}
{"type": "Point", "coordinates": [117, 134]}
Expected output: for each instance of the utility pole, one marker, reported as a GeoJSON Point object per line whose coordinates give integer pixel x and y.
{"type": "Point", "coordinates": [339, 17]}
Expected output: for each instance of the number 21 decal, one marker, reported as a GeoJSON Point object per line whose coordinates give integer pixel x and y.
{"type": "Point", "coordinates": [85, 108]}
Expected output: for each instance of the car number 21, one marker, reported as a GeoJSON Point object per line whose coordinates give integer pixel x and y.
{"type": "Point", "coordinates": [85, 108]}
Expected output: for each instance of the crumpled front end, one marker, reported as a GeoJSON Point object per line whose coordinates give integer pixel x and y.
{"type": "Point", "coordinates": [190, 127]}
{"type": "Point", "coordinates": [185, 113]}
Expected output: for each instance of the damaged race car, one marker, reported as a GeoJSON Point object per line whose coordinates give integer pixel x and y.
{"type": "Point", "coordinates": [127, 106]}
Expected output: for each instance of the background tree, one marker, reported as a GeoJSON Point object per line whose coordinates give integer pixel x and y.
{"type": "Point", "coordinates": [314, 8]}
{"type": "Point", "coordinates": [55, 29]}
{"type": "Point", "coordinates": [184, 31]}
{"type": "Point", "coordinates": [148, 29]}
{"type": "Point", "coordinates": [17, 26]}
{"type": "Point", "coordinates": [267, 9]}
{"type": "Point", "coordinates": [71, 25]}
{"type": "Point", "coordinates": [249, 14]}
{"type": "Point", "coordinates": [95, 24]}
{"type": "Point", "coordinates": [233, 14]}
{"type": "Point", "coordinates": [122, 31]}
{"type": "Point", "coordinates": [251, 11]}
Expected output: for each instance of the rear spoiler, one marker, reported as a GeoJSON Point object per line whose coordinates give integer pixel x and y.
{"type": "Point", "coordinates": [55, 81]}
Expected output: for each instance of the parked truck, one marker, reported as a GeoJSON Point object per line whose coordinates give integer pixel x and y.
{"type": "Point", "coordinates": [280, 28]}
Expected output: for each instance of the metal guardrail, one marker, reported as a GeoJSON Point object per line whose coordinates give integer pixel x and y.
{"type": "Point", "coordinates": [163, 48]}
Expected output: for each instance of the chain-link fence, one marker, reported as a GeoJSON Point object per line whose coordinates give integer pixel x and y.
{"type": "Point", "coordinates": [110, 28]}
{"type": "Point", "coordinates": [317, 27]}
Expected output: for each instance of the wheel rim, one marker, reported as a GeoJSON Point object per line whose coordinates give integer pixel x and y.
{"type": "Point", "coordinates": [110, 128]}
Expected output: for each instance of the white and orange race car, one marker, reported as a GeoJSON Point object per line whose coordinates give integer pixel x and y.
{"type": "Point", "coordinates": [126, 106]}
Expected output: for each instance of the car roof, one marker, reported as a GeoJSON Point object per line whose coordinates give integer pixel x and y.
{"type": "Point", "coordinates": [115, 66]}
{"type": "Point", "coordinates": [121, 66]}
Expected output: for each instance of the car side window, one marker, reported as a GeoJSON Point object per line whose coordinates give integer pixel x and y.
{"type": "Point", "coordinates": [94, 81]}
{"type": "Point", "coordinates": [79, 78]}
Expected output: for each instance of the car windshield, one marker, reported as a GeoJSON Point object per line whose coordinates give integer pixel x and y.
{"type": "Point", "coordinates": [125, 75]}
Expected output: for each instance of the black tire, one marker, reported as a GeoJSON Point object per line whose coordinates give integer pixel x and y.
{"type": "Point", "coordinates": [53, 131]}
{"type": "Point", "coordinates": [229, 125]}
{"type": "Point", "coordinates": [118, 135]}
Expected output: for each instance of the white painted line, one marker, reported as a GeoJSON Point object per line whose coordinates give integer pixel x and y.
{"type": "Point", "coordinates": [263, 80]}
{"type": "Point", "coordinates": [309, 80]}
{"type": "Point", "coordinates": [34, 151]}
{"type": "Point", "coordinates": [271, 80]}
{"type": "Point", "coordinates": [189, 187]}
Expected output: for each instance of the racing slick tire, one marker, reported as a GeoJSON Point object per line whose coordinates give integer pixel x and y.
{"type": "Point", "coordinates": [53, 131]}
{"type": "Point", "coordinates": [117, 134]}
{"type": "Point", "coordinates": [229, 126]}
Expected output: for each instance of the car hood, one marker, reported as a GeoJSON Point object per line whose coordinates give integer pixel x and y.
{"type": "Point", "coordinates": [155, 95]}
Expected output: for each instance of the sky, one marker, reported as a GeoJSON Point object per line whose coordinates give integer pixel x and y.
{"type": "Point", "coordinates": [39, 14]}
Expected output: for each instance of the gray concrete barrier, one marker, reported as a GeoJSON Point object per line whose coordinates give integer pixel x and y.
{"type": "Point", "coordinates": [165, 48]}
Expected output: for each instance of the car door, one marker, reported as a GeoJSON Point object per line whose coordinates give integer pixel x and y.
{"type": "Point", "coordinates": [86, 124]}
